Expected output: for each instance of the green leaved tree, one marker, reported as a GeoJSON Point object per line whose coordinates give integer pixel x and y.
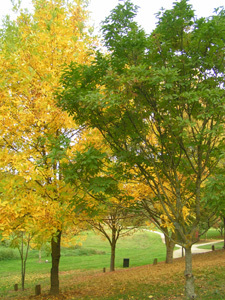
{"type": "Point", "coordinates": [158, 101]}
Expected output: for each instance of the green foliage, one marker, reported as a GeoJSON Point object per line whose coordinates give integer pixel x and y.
{"type": "Point", "coordinates": [8, 254]}
{"type": "Point", "coordinates": [158, 101]}
{"type": "Point", "coordinates": [214, 193]}
{"type": "Point", "coordinates": [80, 251]}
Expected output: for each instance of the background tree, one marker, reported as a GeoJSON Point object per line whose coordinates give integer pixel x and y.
{"type": "Point", "coordinates": [102, 197]}
{"type": "Point", "coordinates": [20, 222]}
{"type": "Point", "coordinates": [34, 49]}
{"type": "Point", "coordinates": [214, 195]}
{"type": "Point", "coordinates": [153, 211]}
{"type": "Point", "coordinates": [117, 221]}
{"type": "Point", "coordinates": [158, 101]}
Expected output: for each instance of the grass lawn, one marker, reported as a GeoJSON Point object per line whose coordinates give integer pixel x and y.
{"type": "Point", "coordinates": [82, 278]}
{"type": "Point", "coordinates": [159, 282]}
{"type": "Point", "coordinates": [94, 254]}
{"type": "Point", "coordinates": [216, 245]}
{"type": "Point", "coordinates": [211, 234]}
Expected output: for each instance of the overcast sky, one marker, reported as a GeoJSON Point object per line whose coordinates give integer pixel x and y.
{"type": "Point", "coordinates": [99, 9]}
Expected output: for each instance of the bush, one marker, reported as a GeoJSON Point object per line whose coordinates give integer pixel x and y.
{"type": "Point", "coordinates": [8, 254]}
{"type": "Point", "coordinates": [80, 251]}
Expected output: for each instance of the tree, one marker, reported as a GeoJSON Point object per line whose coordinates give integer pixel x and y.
{"type": "Point", "coordinates": [214, 195]}
{"type": "Point", "coordinates": [35, 134]}
{"type": "Point", "coordinates": [118, 222]}
{"type": "Point", "coordinates": [21, 241]}
{"type": "Point", "coordinates": [158, 101]}
{"type": "Point", "coordinates": [19, 222]}
{"type": "Point", "coordinates": [153, 210]}
{"type": "Point", "coordinates": [109, 211]}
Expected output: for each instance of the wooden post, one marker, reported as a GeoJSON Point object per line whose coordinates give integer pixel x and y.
{"type": "Point", "coordinates": [37, 290]}
{"type": "Point", "coordinates": [182, 250]}
{"type": "Point", "coordinates": [103, 270]}
{"type": "Point", "coordinates": [16, 287]}
{"type": "Point", "coordinates": [155, 261]}
{"type": "Point", "coordinates": [213, 247]}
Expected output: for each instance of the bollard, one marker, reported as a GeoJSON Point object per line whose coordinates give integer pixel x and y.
{"type": "Point", "coordinates": [155, 261]}
{"type": "Point", "coordinates": [104, 270]}
{"type": "Point", "coordinates": [126, 262]}
{"type": "Point", "coordinates": [213, 247]}
{"type": "Point", "coordinates": [16, 287]}
{"type": "Point", "coordinates": [37, 290]}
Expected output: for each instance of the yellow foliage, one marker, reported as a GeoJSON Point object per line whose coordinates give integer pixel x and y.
{"type": "Point", "coordinates": [34, 197]}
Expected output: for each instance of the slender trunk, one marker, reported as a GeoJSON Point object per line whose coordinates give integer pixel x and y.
{"type": "Point", "coordinates": [39, 256]}
{"type": "Point", "coordinates": [22, 266]}
{"type": "Point", "coordinates": [189, 284]}
{"type": "Point", "coordinates": [169, 249]}
{"type": "Point", "coordinates": [55, 248]}
{"type": "Point", "coordinates": [224, 233]}
{"type": "Point", "coordinates": [113, 253]}
{"type": "Point", "coordinates": [24, 259]}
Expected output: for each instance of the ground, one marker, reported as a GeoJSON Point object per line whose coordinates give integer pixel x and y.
{"type": "Point", "coordinates": [161, 281]}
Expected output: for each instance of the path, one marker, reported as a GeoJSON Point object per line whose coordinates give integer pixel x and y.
{"type": "Point", "coordinates": [178, 253]}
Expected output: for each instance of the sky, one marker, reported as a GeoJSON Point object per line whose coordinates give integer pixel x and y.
{"type": "Point", "coordinates": [99, 9]}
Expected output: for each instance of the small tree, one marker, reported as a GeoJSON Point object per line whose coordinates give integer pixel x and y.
{"type": "Point", "coordinates": [116, 223]}
{"type": "Point", "coordinates": [21, 241]}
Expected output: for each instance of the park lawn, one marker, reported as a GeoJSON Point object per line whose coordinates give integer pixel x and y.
{"type": "Point", "coordinates": [216, 246]}
{"type": "Point", "coordinates": [211, 234]}
{"type": "Point", "coordinates": [157, 282]}
{"type": "Point", "coordinates": [94, 254]}
{"type": "Point", "coordinates": [81, 270]}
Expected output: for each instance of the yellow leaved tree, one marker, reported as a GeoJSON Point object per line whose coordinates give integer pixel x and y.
{"type": "Point", "coordinates": [35, 135]}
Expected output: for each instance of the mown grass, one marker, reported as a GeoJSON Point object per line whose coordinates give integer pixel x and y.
{"type": "Point", "coordinates": [216, 246]}
{"type": "Point", "coordinates": [211, 234]}
{"type": "Point", "coordinates": [94, 254]}
{"type": "Point", "coordinates": [159, 282]}
{"type": "Point", "coordinates": [81, 275]}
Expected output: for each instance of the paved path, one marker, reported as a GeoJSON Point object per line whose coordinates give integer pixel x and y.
{"type": "Point", "coordinates": [178, 253]}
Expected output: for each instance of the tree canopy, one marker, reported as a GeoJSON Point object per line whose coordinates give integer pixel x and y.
{"type": "Point", "coordinates": [158, 101]}
{"type": "Point", "coordinates": [35, 134]}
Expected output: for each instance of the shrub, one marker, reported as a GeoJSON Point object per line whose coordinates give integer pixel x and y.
{"type": "Point", "coordinates": [8, 254]}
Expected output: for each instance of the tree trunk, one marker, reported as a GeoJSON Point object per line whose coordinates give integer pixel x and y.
{"type": "Point", "coordinates": [22, 264]}
{"type": "Point", "coordinates": [39, 256]}
{"type": "Point", "coordinates": [169, 249]}
{"type": "Point", "coordinates": [189, 284]}
{"type": "Point", "coordinates": [24, 259]}
{"type": "Point", "coordinates": [224, 233]}
{"type": "Point", "coordinates": [113, 255]}
{"type": "Point", "coordinates": [55, 248]}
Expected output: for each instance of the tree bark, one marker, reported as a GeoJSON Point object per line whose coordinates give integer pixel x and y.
{"type": "Point", "coordinates": [189, 283]}
{"type": "Point", "coordinates": [24, 259]}
{"type": "Point", "coordinates": [113, 253]}
{"type": "Point", "coordinates": [22, 264]}
{"type": "Point", "coordinates": [224, 233]}
{"type": "Point", "coordinates": [169, 249]}
{"type": "Point", "coordinates": [55, 247]}
{"type": "Point", "coordinates": [39, 256]}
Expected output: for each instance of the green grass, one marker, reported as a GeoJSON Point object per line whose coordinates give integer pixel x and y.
{"type": "Point", "coordinates": [211, 234]}
{"type": "Point", "coordinates": [216, 245]}
{"type": "Point", "coordinates": [94, 254]}
{"type": "Point", "coordinates": [88, 260]}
